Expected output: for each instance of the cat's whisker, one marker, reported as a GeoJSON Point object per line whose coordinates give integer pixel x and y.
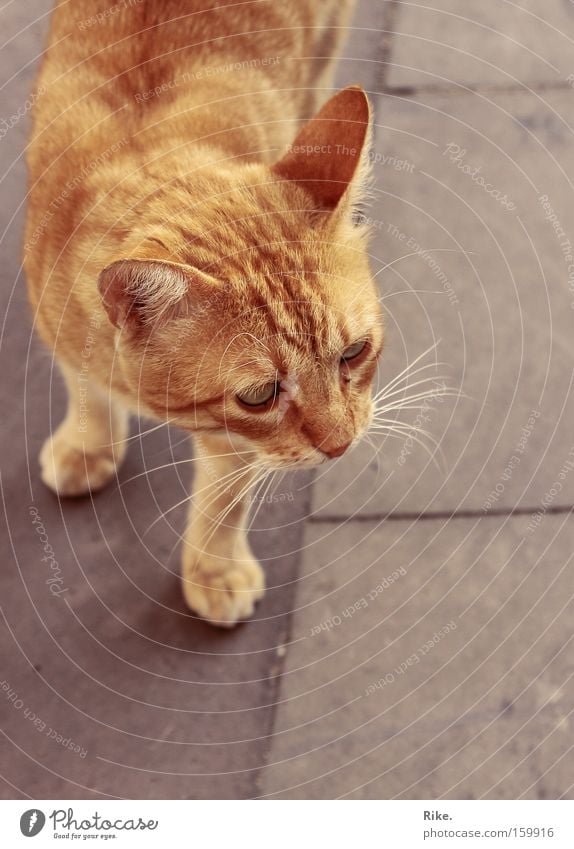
{"type": "Point", "coordinates": [408, 375]}
{"type": "Point", "coordinates": [408, 430]}
{"type": "Point", "coordinates": [163, 515]}
{"type": "Point", "coordinates": [401, 403]}
{"type": "Point", "coordinates": [398, 408]}
{"type": "Point", "coordinates": [406, 435]}
{"type": "Point", "coordinates": [171, 446]}
{"type": "Point", "coordinates": [394, 262]}
{"type": "Point", "coordinates": [404, 379]}
{"type": "Point", "coordinates": [399, 435]}
{"type": "Point", "coordinates": [180, 537]}
{"type": "Point", "coordinates": [281, 477]}
{"type": "Point", "coordinates": [259, 499]}
{"type": "Point", "coordinates": [218, 520]}
{"type": "Point", "coordinates": [219, 488]}
{"type": "Point", "coordinates": [403, 435]}
{"type": "Point", "coordinates": [432, 379]}
{"type": "Point", "coordinates": [409, 405]}
{"type": "Point", "coordinates": [215, 522]}
{"type": "Point", "coordinates": [411, 292]}
{"type": "Point", "coordinates": [266, 488]}
{"type": "Point", "coordinates": [406, 402]}
{"type": "Point", "coordinates": [409, 367]}
{"type": "Point", "coordinates": [225, 484]}
{"type": "Point", "coordinates": [409, 372]}
{"type": "Point", "coordinates": [222, 485]}
{"type": "Point", "coordinates": [181, 462]}
{"type": "Point", "coordinates": [403, 425]}
{"type": "Point", "coordinates": [221, 482]}
{"type": "Point", "coordinates": [395, 421]}
{"type": "Point", "coordinates": [138, 435]}
{"type": "Point", "coordinates": [428, 251]}
{"type": "Point", "coordinates": [381, 422]}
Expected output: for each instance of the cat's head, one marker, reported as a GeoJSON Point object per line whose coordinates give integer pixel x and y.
{"type": "Point", "coordinates": [251, 308]}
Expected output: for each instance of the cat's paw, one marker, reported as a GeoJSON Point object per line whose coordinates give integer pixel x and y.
{"type": "Point", "coordinates": [70, 471]}
{"type": "Point", "coordinates": [223, 597]}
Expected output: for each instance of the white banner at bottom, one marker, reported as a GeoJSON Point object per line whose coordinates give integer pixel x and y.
{"type": "Point", "coordinates": [285, 824]}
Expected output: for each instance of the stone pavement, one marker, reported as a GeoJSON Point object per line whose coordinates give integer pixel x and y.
{"type": "Point", "coordinates": [416, 638]}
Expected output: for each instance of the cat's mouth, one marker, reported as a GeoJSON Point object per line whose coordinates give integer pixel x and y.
{"type": "Point", "coordinates": [309, 460]}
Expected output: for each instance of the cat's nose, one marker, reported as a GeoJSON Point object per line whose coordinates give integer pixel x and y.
{"type": "Point", "coordinates": [336, 452]}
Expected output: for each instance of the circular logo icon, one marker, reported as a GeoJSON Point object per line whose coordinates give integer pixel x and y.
{"type": "Point", "coordinates": [32, 822]}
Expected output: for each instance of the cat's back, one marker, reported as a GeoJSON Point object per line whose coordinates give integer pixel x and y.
{"type": "Point", "coordinates": [107, 65]}
{"type": "Point", "coordinates": [139, 44]}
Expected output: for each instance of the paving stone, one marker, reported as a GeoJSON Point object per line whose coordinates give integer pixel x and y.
{"type": "Point", "coordinates": [441, 42]}
{"type": "Point", "coordinates": [487, 280]}
{"type": "Point", "coordinates": [160, 703]}
{"type": "Point", "coordinates": [428, 659]}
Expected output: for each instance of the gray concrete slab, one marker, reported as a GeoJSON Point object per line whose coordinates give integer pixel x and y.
{"type": "Point", "coordinates": [162, 704]}
{"type": "Point", "coordinates": [428, 660]}
{"type": "Point", "coordinates": [481, 272]}
{"type": "Point", "coordinates": [440, 42]}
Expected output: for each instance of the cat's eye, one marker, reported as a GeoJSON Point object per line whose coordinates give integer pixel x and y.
{"type": "Point", "coordinates": [353, 350]}
{"type": "Point", "coordinates": [259, 396]}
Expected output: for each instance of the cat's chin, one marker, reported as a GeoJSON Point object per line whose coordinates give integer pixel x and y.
{"type": "Point", "coordinates": [306, 461]}
{"type": "Point", "coordinates": [283, 464]}
{"type": "Point", "coordinates": [280, 464]}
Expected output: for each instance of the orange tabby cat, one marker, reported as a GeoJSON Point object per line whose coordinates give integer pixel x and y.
{"type": "Point", "coordinates": [189, 261]}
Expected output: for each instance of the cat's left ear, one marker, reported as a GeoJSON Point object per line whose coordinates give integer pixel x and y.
{"type": "Point", "coordinates": [329, 157]}
{"type": "Point", "coordinates": [144, 294]}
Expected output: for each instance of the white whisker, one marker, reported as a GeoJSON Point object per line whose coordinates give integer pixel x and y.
{"type": "Point", "coordinates": [186, 460]}
{"type": "Point", "coordinates": [139, 434]}
{"type": "Point", "coordinates": [260, 499]}
{"type": "Point", "coordinates": [403, 425]}
{"type": "Point", "coordinates": [221, 482]}
{"type": "Point", "coordinates": [408, 434]}
{"type": "Point", "coordinates": [428, 251]}
{"type": "Point", "coordinates": [402, 403]}
{"type": "Point", "coordinates": [411, 292]}
{"type": "Point", "coordinates": [404, 388]}
{"type": "Point", "coordinates": [219, 487]}
{"type": "Point", "coordinates": [410, 366]}
{"type": "Point", "coordinates": [219, 520]}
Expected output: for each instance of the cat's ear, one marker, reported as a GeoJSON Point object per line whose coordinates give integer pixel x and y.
{"type": "Point", "coordinates": [330, 154]}
{"type": "Point", "coordinates": [140, 293]}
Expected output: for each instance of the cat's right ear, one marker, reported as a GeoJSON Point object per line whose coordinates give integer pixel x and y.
{"type": "Point", "coordinates": [329, 157]}
{"type": "Point", "coordinates": [147, 293]}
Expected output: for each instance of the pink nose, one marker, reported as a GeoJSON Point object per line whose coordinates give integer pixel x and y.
{"type": "Point", "coordinates": [336, 452]}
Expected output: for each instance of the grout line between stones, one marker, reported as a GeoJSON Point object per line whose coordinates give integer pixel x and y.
{"type": "Point", "coordinates": [390, 12]}
{"type": "Point", "coordinates": [456, 88]}
{"type": "Point", "coordinates": [438, 514]}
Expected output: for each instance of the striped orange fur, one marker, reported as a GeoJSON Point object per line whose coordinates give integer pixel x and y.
{"type": "Point", "coordinates": [189, 214]}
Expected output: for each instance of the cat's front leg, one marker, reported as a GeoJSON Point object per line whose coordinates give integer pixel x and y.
{"type": "Point", "coordinates": [222, 581]}
{"type": "Point", "coordinates": [84, 452]}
